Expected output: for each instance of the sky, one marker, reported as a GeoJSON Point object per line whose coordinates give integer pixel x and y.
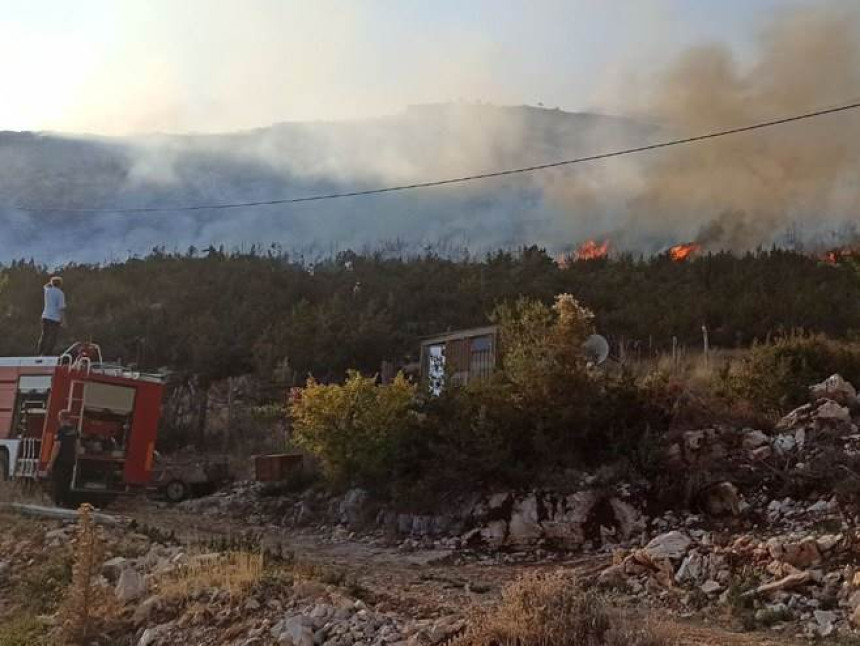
{"type": "Point", "coordinates": [140, 66]}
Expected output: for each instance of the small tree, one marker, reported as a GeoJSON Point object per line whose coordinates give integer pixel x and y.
{"type": "Point", "coordinates": [542, 346]}
{"type": "Point", "coordinates": [352, 428]}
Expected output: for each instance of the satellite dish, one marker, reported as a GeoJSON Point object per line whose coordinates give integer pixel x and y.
{"type": "Point", "coordinates": [596, 349]}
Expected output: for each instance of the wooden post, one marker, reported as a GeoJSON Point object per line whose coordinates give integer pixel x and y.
{"type": "Point", "coordinates": [228, 430]}
{"type": "Point", "coordinates": [705, 345]}
{"type": "Point", "coordinates": [674, 352]}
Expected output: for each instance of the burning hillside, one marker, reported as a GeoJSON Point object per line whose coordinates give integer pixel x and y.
{"type": "Point", "coordinates": [681, 252]}
{"type": "Point", "coordinates": [591, 250]}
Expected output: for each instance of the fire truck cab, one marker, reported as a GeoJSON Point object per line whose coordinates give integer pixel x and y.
{"type": "Point", "coordinates": [114, 409]}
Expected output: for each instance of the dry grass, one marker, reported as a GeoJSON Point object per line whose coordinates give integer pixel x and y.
{"type": "Point", "coordinates": [233, 572]}
{"type": "Point", "coordinates": [550, 609]}
{"type": "Point", "coordinates": [23, 491]}
{"type": "Point", "coordinates": [691, 368]}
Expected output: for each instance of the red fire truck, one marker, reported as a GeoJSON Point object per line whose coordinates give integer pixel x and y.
{"type": "Point", "coordinates": [115, 410]}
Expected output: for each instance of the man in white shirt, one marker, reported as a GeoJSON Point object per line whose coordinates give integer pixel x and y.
{"type": "Point", "coordinates": [52, 316]}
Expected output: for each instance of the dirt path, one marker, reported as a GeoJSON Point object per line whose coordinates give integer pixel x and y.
{"type": "Point", "coordinates": [699, 635]}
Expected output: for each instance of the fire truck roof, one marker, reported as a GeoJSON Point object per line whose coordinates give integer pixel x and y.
{"type": "Point", "coordinates": [28, 362]}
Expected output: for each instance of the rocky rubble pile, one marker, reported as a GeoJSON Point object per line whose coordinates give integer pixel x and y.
{"type": "Point", "coordinates": [157, 603]}
{"type": "Point", "coordinates": [589, 518]}
{"type": "Point", "coordinates": [783, 561]}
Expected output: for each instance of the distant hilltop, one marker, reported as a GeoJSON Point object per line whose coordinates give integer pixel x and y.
{"type": "Point", "coordinates": [424, 142]}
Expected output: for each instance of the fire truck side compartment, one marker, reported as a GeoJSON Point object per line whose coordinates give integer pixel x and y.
{"type": "Point", "coordinates": [144, 421]}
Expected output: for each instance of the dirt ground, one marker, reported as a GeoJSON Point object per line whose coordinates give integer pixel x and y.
{"type": "Point", "coordinates": [420, 583]}
{"type": "Point", "coordinates": [428, 583]}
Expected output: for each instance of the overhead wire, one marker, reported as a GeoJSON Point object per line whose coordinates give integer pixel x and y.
{"type": "Point", "coordinates": [452, 180]}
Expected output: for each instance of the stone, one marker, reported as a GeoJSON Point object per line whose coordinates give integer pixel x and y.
{"type": "Point", "coordinates": [671, 545]}
{"type": "Point", "coordinates": [802, 554]}
{"type": "Point", "coordinates": [830, 411]}
{"type": "Point", "coordinates": [761, 453]}
{"type": "Point", "coordinates": [855, 617]}
{"type": "Point", "coordinates": [298, 630]}
{"type": "Point", "coordinates": [836, 389]}
{"type": "Point", "coordinates": [144, 610]}
{"type": "Point", "coordinates": [721, 499]}
{"type": "Point", "coordinates": [353, 507]}
{"type": "Point", "coordinates": [754, 439]}
{"type": "Point", "coordinates": [800, 438]}
{"type": "Point", "coordinates": [613, 578]}
{"type": "Point", "coordinates": [711, 587]}
{"type": "Point", "coordinates": [495, 533]}
{"type": "Point", "coordinates": [692, 568]}
{"type": "Point", "coordinates": [151, 635]}
{"type": "Point", "coordinates": [785, 583]}
{"type": "Point", "coordinates": [112, 568]}
{"type": "Point", "coordinates": [819, 507]}
{"type": "Point", "coordinates": [524, 527]}
{"type": "Point", "coordinates": [630, 520]}
{"type": "Point", "coordinates": [784, 444]}
{"type": "Point", "coordinates": [828, 542]}
{"type": "Point", "coordinates": [130, 586]}
{"type": "Point", "coordinates": [825, 620]}
{"type": "Point", "coordinates": [693, 440]}
{"type": "Point", "coordinates": [775, 508]}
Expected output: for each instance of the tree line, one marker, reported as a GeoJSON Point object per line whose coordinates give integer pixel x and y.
{"type": "Point", "coordinates": [217, 314]}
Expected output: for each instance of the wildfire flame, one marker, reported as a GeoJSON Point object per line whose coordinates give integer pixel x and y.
{"type": "Point", "coordinates": [681, 252]}
{"type": "Point", "coordinates": [591, 250]}
{"type": "Point", "coordinates": [835, 255]}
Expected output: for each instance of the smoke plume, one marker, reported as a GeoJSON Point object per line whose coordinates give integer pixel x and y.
{"type": "Point", "coordinates": [736, 193]}
{"type": "Point", "coordinates": [747, 190]}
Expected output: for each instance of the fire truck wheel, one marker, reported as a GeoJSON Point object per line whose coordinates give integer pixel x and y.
{"type": "Point", "coordinates": [176, 491]}
{"type": "Point", "coordinates": [4, 466]}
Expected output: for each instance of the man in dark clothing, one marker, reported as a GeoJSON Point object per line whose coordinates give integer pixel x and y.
{"type": "Point", "coordinates": [63, 460]}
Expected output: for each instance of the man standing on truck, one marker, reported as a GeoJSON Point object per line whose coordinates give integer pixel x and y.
{"type": "Point", "coordinates": [52, 316]}
{"type": "Point", "coordinates": [63, 455]}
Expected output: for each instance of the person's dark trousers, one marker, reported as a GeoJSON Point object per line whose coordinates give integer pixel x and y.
{"type": "Point", "coordinates": [50, 331]}
{"type": "Point", "coordinates": [61, 480]}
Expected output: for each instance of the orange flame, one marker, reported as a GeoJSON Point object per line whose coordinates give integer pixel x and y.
{"type": "Point", "coordinates": [835, 255]}
{"type": "Point", "coordinates": [590, 250]}
{"type": "Point", "coordinates": [681, 252]}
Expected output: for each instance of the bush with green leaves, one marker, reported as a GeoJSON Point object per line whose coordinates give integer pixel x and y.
{"type": "Point", "coordinates": [542, 413]}
{"type": "Point", "coordinates": [352, 428]}
{"type": "Point", "coordinates": [776, 376]}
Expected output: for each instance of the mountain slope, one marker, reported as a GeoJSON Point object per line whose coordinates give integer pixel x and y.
{"type": "Point", "coordinates": [297, 159]}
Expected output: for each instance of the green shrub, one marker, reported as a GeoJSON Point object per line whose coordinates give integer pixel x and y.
{"type": "Point", "coordinates": [353, 427]}
{"type": "Point", "coordinates": [775, 377]}
{"type": "Point", "coordinates": [543, 413]}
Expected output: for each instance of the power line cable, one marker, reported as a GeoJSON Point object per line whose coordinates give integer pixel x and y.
{"type": "Point", "coordinates": [454, 180]}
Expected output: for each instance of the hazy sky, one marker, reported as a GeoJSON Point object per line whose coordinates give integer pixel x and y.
{"type": "Point", "coordinates": [120, 66]}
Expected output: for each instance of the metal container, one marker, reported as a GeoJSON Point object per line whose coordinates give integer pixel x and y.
{"type": "Point", "coordinates": [274, 468]}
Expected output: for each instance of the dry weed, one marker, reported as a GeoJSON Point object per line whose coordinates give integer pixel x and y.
{"type": "Point", "coordinates": [234, 572]}
{"type": "Point", "coordinates": [85, 602]}
{"type": "Point", "coordinates": [550, 609]}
